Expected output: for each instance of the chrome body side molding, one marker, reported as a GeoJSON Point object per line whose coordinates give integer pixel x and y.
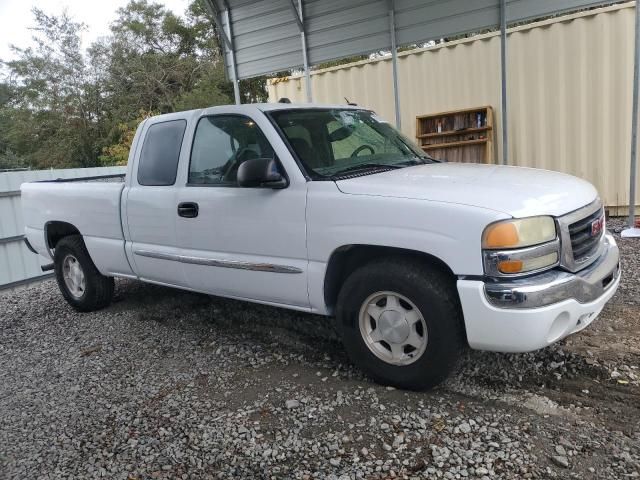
{"type": "Point", "coordinates": [212, 262]}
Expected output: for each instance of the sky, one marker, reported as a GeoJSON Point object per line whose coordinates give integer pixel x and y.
{"type": "Point", "coordinates": [16, 18]}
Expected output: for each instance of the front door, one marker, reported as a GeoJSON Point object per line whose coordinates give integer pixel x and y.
{"type": "Point", "coordinates": [241, 242]}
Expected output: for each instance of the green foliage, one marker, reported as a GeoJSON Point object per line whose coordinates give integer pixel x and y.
{"type": "Point", "coordinates": [342, 61]}
{"type": "Point", "coordinates": [63, 107]}
{"type": "Point", "coordinates": [118, 153]}
{"type": "Point", "coordinates": [47, 109]}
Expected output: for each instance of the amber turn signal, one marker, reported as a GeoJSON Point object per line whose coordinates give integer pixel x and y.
{"type": "Point", "coordinates": [510, 266]}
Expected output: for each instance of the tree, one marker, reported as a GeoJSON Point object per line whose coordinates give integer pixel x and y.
{"type": "Point", "coordinates": [118, 153]}
{"type": "Point", "coordinates": [61, 106]}
{"type": "Point", "coordinates": [156, 62]}
{"type": "Point", "coordinates": [251, 90]}
{"type": "Point", "coordinates": [49, 111]}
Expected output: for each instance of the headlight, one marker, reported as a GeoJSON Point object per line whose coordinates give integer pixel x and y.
{"type": "Point", "coordinates": [520, 232]}
{"type": "Point", "coordinates": [519, 246]}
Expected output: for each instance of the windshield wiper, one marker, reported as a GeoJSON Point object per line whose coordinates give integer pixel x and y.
{"type": "Point", "coordinates": [426, 160]}
{"type": "Point", "coordinates": [368, 166]}
{"type": "Point", "coordinates": [415, 161]}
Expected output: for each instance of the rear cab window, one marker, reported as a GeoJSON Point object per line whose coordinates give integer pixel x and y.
{"type": "Point", "coordinates": [158, 164]}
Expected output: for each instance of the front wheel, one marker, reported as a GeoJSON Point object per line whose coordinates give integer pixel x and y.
{"type": "Point", "coordinates": [401, 322]}
{"type": "Point", "coordinates": [80, 282]}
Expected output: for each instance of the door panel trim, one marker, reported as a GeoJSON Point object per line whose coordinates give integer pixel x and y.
{"type": "Point", "coordinates": [211, 262]}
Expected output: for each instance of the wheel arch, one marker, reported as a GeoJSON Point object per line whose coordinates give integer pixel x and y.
{"type": "Point", "coordinates": [56, 230]}
{"type": "Point", "coordinates": [345, 259]}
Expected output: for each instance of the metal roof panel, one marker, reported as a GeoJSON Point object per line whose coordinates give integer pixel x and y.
{"type": "Point", "coordinates": [267, 38]}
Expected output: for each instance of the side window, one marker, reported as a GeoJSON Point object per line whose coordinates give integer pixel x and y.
{"type": "Point", "coordinates": [220, 145]}
{"type": "Point", "coordinates": [160, 153]}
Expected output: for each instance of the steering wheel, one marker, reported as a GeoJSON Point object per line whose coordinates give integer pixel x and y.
{"type": "Point", "coordinates": [361, 148]}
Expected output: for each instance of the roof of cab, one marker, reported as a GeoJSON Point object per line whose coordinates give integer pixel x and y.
{"type": "Point", "coordinates": [263, 107]}
{"type": "Point", "coordinates": [268, 107]}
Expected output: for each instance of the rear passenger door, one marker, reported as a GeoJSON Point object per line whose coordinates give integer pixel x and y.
{"type": "Point", "coordinates": [150, 205]}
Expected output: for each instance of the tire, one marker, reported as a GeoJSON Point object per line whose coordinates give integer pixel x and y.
{"type": "Point", "coordinates": [438, 332]}
{"type": "Point", "coordinates": [93, 291]}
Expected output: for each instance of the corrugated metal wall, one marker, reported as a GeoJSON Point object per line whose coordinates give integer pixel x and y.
{"type": "Point", "coordinates": [267, 39]}
{"type": "Point", "coordinates": [570, 82]}
{"type": "Point", "coordinates": [17, 263]}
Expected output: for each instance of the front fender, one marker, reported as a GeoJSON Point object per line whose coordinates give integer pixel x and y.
{"type": "Point", "coordinates": [449, 232]}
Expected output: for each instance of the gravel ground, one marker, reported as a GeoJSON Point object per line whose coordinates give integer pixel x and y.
{"type": "Point", "coordinates": [168, 384]}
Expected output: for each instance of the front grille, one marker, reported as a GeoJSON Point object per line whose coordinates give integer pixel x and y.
{"type": "Point", "coordinates": [583, 244]}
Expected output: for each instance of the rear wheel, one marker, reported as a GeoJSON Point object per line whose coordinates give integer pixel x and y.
{"type": "Point", "coordinates": [80, 282]}
{"type": "Point", "coordinates": [401, 322]}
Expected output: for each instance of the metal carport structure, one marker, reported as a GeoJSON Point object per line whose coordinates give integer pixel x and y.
{"type": "Point", "coordinates": [268, 36]}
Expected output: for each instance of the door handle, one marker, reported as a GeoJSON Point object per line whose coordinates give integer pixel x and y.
{"type": "Point", "coordinates": [188, 209]}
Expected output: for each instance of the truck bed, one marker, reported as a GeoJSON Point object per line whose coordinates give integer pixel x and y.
{"type": "Point", "coordinates": [91, 205]}
{"type": "Point", "coordinates": [115, 178]}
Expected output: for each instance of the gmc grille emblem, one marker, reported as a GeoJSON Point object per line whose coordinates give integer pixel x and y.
{"type": "Point", "coordinates": [596, 226]}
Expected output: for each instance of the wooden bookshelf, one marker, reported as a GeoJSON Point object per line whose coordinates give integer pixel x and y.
{"type": "Point", "coordinates": [458, 136]}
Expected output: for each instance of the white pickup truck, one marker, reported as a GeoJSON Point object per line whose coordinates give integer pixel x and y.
{"type": "Point", "coordinates": [330, 210]}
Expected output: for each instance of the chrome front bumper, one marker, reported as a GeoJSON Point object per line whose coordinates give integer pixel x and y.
{"type": "Point", "coordinates": [555, 286]}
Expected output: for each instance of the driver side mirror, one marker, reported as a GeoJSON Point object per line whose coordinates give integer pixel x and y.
{"type": "Point", "coordinates": [260, 172]}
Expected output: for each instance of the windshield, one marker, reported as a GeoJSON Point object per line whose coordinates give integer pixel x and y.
{"type": "Point", "coordinates": [332, 142]}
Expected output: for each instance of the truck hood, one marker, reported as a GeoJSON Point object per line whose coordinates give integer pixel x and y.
{"type": "Point", "coordinates": [516, 191]}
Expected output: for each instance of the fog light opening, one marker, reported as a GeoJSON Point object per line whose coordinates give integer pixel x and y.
{"type": "Point", "coordinates": [583, 318]}
{"type": "Point", "coordinates": [559, 327]}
